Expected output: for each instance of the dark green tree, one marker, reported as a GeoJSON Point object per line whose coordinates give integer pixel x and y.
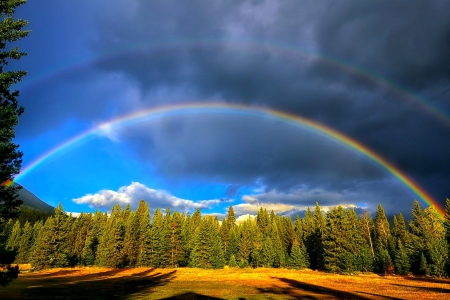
{"type": "Point", "coordinates": [51, 247]}
{"type": "Point", "coordinates": [382, 234]}
{"type": "Point", "coordinates": [10, 155]}
{"type": "Point", "coordinates": [14, 237]}
{"type": "Point", "coordinates": [401, 260]}
{"type": "Point", "coordinates": [25, 244]}
{"type": "Point", "coordinates": [95, 230]}
{"type": "Point", "coordinates": [297, 259]}
{"type": "Point", "coordinates": [447, 231]}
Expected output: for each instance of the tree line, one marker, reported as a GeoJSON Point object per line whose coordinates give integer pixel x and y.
{"type": "Point", "coordinates": [336, 241]}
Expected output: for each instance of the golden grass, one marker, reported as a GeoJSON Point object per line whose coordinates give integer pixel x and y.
{"type": "Point", "coordinates": [185, 283]}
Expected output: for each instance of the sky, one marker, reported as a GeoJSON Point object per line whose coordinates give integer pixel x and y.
{"type": "Point", "coordinates": [207, 104]}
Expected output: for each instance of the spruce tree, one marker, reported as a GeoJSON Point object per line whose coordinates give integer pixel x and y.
{"type": "Point", "coordinates": [14, 237]}
{"type": "Point", "coordinates": [297, 260]}
{"type": "Point", "coordinates": [25, 244]}
{"type": "Point", "coordinates": [446, 224]}
{"type": "Point", "coordinates": [383, 261]}
{"type": "Point", "coordinates": [111, 240]}
{"type": "Point", "coordinates": [315, 240]}
{"type": "Point", "coordinates": [245, 245]}
{"type": "Point", "coordinates": [401, 260]}
{"type": "Point", "coordinates": [279, 258]}
{"type": "Point", "coordinates": [427, 238]}
{"type": "Point", "coordinates": [143, 215]}
{"type": "Point", "coordinates": [94, 231]}
{"type": "Point", "coordinates": [51, 249]}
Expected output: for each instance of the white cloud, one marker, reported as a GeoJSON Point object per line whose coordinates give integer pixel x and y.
{"type": "Point", "coordinates": [295, 201]}
{"type": "Point", "coordinates": [136, 191]}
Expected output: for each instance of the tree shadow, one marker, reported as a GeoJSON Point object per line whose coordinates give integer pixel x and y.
{"type": "Point", "coordinates": [55, 274]}
{"type": "Point", "coordinates": [96, 286]}
{"type": "Point", "coordinates": [297, 289]}
{"type": "Point", "coordinates": [191, 295]}
{"type": "Point", "coordinates": [432, 280]}
{"type": "Point", "coordinates": [425, 288]}
{"type": "Point", "coordinates": [378, 295]}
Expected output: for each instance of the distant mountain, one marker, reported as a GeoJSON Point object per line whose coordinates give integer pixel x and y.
{"type": "Point", "coordinates": [30, 200]}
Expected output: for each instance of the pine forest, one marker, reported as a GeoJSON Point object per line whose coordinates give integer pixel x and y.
{"type": "Point", "coordinates": [338, 241]}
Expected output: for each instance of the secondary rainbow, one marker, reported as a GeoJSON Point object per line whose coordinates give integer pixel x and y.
{"type": "Point", "coordinates": [274, 46]}
{"type": "Point", "coordinates": [235, 109]}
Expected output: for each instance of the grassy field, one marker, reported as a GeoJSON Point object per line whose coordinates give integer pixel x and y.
{"type": "Point", "coordinates": [147, 283]}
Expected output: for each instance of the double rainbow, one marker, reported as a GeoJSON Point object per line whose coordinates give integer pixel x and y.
{"type": "Point", "coordinates": [235, 109]}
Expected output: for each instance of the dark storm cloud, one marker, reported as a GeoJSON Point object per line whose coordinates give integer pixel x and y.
{"type": "Point", "coordinates": [179, 51]}
{"type": "Point", "coordinates": [406, 41]}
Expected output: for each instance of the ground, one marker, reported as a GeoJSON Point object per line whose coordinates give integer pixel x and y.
{"type": "Point", "coordinates": [185, 283]}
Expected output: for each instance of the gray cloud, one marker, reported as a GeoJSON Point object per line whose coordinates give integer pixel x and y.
{"type": "Point", "coordinates": [249, 52]}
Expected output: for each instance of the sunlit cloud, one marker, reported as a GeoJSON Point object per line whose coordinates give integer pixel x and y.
{"type": "Point", "coordinates": [136, 191]}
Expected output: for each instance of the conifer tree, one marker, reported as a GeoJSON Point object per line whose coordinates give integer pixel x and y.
{"type": "Point", "coordinates": [95, 230]}
{"type": "Point", "coordinates": [256, 252]}
{"type": "Point", "coordinates": [186, 240]}
{"type": "Point", "coordinates": [334, 240]}
{"type": "Point", "coordinates": [382, 235]}
{"type": "Point", "coordinates": [50, 249]}
{"type": "Point", "coordinates": [232, 263]}
{"type": "Point", "coordinates": [82, 230]}
{"type": "Point", "coordinates": [427, 238]}
{"type": "Point", "coordinates": [267, 252]}
{"type": "Point", "coordinates": [262, 219]}
{"type": "Point", "coordinates": [130, 251]}
{"type": "Point", "coordinates": [401, 260]}
{"type": "Point", "coordinates": [14, 237]}
{"type": "Point", "coordinates": [176, 249]}
{"type": "Point", "coordinates": [143, 214]}
{"type": "Point", "coordinates": [279, 258]}
{"type": "Point", "coordinates": [207, 250]}
{"type": "Point", "coordinates": [315, 240]}
{"type": "Point", "coordinates": [297, 259]}
{"type": "Point", "coordinates": [111, 240]}
{"type": "Point", "coordinates": [244, 243]}
{"type": "Point", "coordinates": [25, 244]}
{"type": "Point", "coordinates": [446, 224]}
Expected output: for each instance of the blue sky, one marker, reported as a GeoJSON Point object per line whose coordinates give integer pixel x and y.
{"type": "Point", "coordinates": [93, 61]}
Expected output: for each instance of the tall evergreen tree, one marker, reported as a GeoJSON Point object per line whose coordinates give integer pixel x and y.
{"type": "Point", "coordinates": [14, 237]}
{"type": "Point", "coordinates": [112, 240]}
{"type": "Point", "coordinates": [382, 233]}
{"type": "Point", "coordinates": [10, 155]}
{"type": "Point", "coordinates": [51, 248]}
{"type": "Point", "coordinates": [446, 224]}
{"type": "Point", "coordinates": [315, 239]}
{"type": "Point", "coordinates": [25, 244]}
{"type": "Point", "coordinates": [297, 260]}
{"type": "Point", "coordinates": [94, 232]}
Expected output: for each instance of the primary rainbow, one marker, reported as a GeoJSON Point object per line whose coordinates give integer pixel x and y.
{"type": "Point", "coordinates": [235, 109]}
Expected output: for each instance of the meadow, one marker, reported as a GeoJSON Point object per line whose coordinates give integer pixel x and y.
{"type": "Point", "coordinates": [229, 283]}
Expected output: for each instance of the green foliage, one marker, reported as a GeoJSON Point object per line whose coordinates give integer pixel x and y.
{"type": "Point", "coordinates": [297, 259]}
{"type": "Point", "coordinates": [232, 263]}
{"type": "Point", "coordinates": [51, 248]}
{"type": "Point", "coordinates": [14, 238]}
{"type": "Point", "coordinates": [128, 238]}
{"type": "Point", "coordinates": [401, 260]}
{"type": "Point", "coordinates": [10, 155]}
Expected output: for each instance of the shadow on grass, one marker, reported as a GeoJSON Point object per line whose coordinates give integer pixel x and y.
{"type": "Point", "coordinates": [432, 280]}
{"type": "Point", "coordinates": [55, 274]}
{"type": "Point", "coordinates": [96, 286]}
{"type": "Point", "coordinates": [382, 296]}
{"type": "Point", "coordinates": [191, 295]}
{"type": "Point", "coordinates": [425, 288]}
{"type": "Point", "coordinates": [297, 290]}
